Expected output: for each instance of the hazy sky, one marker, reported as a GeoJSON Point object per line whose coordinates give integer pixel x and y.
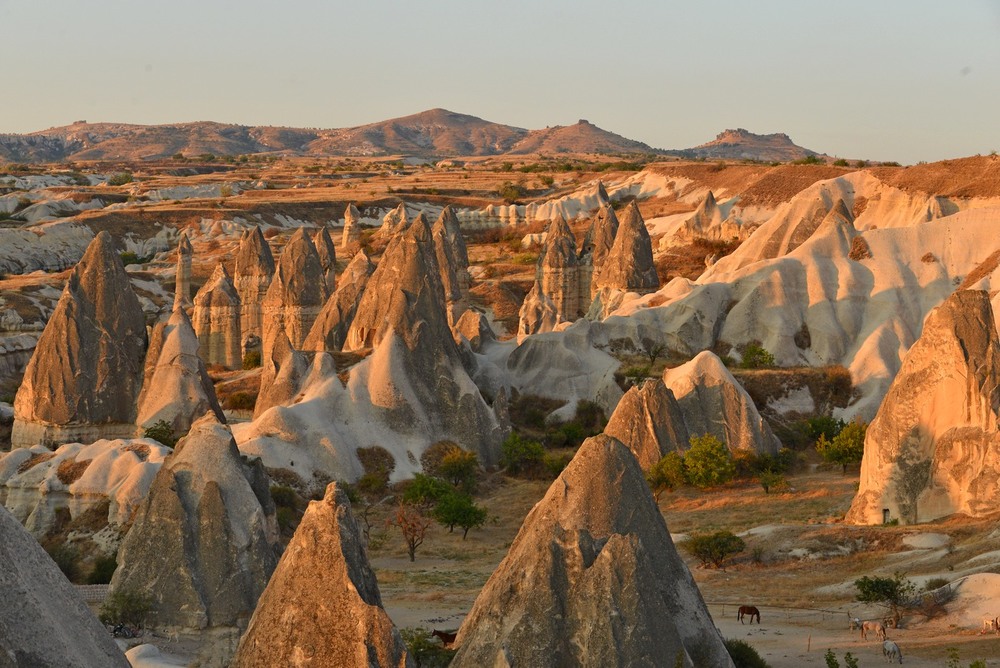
{"type": "Point", "coordinates": [903, 80]}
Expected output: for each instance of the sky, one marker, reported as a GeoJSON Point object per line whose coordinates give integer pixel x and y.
{"type": "Point", "coordinates": [905, 80]}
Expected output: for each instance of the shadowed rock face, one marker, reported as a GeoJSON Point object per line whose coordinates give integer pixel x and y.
{"type": "Point", "coordinates": [329, 332]}
{"type": "Point", "coordinates": [322, 606]}
{"type": "Point", "coordinates": [649, 422]}
{"type": "Point", "coordinates": [254, 270]}
{"type": "Point", "coordinates": [933, 448]}
{"type": "Point", "coordinates": [592, 579]}
{"type": "Point", "coordinates": [297, 292]}
{"type": "Point", "coordinates": [176, 388]}
{"type": "Point", "coordinates": [600, 237]}
{"type": "Point", "coordinates": [452, 250]}
{"type": "Point", "coordinates": [285, 373]}
{"type": "Point", "coordinates": [713, 402]}
{"type": "Point", "coordinates": [629, 265]}
{"type": "Point", "coordinates": [43, 621]}
{"type": "Point", "coordinates": [85, 375]}
{"type": "Point", "coordinates": [352, 227]}
{"type": "Point", "coordinates": [203, 542]}
{"type": "Point", "coordinates": [182, 284]}
{"type": "Point", "coordinates": [327, 258]}
{"type": "Point", "coordinates": [217, 320]}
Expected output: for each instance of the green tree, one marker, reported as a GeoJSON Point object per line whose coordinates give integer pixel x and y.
{"type": "Point", "coordinates": [518, 454]}
{"type": "Point", "coordinates": [771, 480]}
{"type": "Point", "coordinates": [891, 593]}
{"type": "Point", "coordinates": [756, 357]}
{"type": "Point", "coordinates": [457, 509]}
{"type": "Point", "coordinates": [426, 491]}
{"type": "Point", "coordinates": [708, 463]}
{"type": "Point", "coordinates": [712, 549]}
{"type": "Point", "coordinates": [847, 447]}
{"type": "Point", "coordinates": [666, 474]}
{"type": "Point", "coordinates": [459, 467]}
{"type": "Point", "coordinates": [126, 607]}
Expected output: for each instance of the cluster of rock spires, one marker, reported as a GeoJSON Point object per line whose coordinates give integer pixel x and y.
{"type": "Point", "coordinates": [617, 258]}
{"type": "Point", "coordinates": [592, 579]}
{"type": "Point", "coordinates": [696, 398]}
{"type": "Point", "coordinates": [933, 448]}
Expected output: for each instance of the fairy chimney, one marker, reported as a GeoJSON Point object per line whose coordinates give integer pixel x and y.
{"type": "Point", "coordinates": [217, 319]}
{"type": "Point", "coordinates": [182, 282]}
{"type": "Point", "coordinates": [352, 225]}
{"type": "Point", "coordinates": [296, 294]}
{"type": "Point", "coordinates": [254, 270]}
{"type": "Point", "coordinates": [327, 258]}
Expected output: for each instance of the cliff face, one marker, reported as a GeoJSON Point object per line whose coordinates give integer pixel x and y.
{"type": "Point", "coordinates": [933, 448]}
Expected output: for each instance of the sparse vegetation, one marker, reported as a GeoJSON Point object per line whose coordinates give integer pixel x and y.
{"type": "Point", "coordinates": [241, 401]}
{"type": "Point", "coordinates": [846, 448]}
{"type": "Point", "coordinates": [712, 549]}
{"type": "Point", "coordinates": [666, 474]}
{"type": "Point", "coordinates": [891, 593]}
{"type": "Point", "coordinates": [378, 465]}
{"type": "Point", "coordinates": [104, 568]}
{"type": "Point", "coordinates": [756, 356]}
{"type": "Point", "coordinates": [251, 359]}
{"type": "Point", "coordinates": [425, 649]}
{"type": "Point", "coordinates": [120, 179]}
{"type": "Point", "coordinates": [744, 655]}
{"type": "Point", "coordinates": [126, 607]}
{"type": "Point", "coordinates": [519, 455]}
{"type": "Point", "coordinates": [707, 462]}
{"type": "Point", "coordinates": [162, 432]}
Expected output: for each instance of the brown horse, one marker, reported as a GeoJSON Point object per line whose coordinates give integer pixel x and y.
{"type": "Point", "coordinates": [748, 611]}
{"type": "Point", "coordinates": [446, 638]}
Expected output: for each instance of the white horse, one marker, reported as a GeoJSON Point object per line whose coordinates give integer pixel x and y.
{"type": "Point", "coordinates": [990, 625]}
{"type": "Point", "coordinates": [891, 652]}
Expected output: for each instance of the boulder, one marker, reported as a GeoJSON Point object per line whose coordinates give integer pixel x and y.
{"type": "Point", "coordinates": [933, 448]}
{"type": "Point", "coordinates": [322, 606]}
{"type": "Point", "coordinates": [252, 277]}
{"type": "Point", "coordinates": [203, 543]}
{"type": "Point", "coordinates": [713, 402]}
{"type": "Point", "coordinates": [649, 421]}
{"type": "Point", "coordinates": [176, 388]}
{"type": "Point", "coordinates": [43, 620]}
{"type": "Point", "coordinates": [218, 316]}
{"type": "Point", "coordinates": [592, 579]}
{"type": "Point", "coordinates": [86, 372]}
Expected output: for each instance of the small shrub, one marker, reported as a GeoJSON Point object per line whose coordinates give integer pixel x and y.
{"type": "Point", "coordinates": [251, 359]}
{"type": "Point", "coordinates": [511, 192]}
{"type": "Point", "coordinates": [831, 659]}
{"type": "Point", "coordinates": [824, 425]}
{"type": "Point", "coordinates": [103, 569]}
{"type": "Point", "coordinates": [435, 453]}
{"type": "Point", "coordinates": [518, 455]}
{"type": "Point", "coordinates": [712, 549]}
{"type": "Point", "coordinates": [120, 179]}
{"type": "Point", "coordinates": [744, 655]}
{"type": "Point", "coordinates": [890, 593]}
{"type": "Point", "coordinates": [162, 432]}
{"type": "Point", "coordinates": [460, 469]}
{"type": "Point", "coordinates": [126, 607]}
{"type": "Point", "coordinates": [707, 462]}
{"type": "Point", "coordinates": [756, 357]}
{"type": "Point", "coordinates": [425, 649]}
{"type": "Point", "coordinates": [840, 162]}
{"type": "Point", "coordinates": [928, 258]}
{"type": "Point", "coordinates": [771, 480]}
{"type": "Point", "coordinates": [935, 583]}
{"type": "Point", "coordinates": [378, 465]}
{"type": "Point", "coordinates": [666, 474]}
{"type": "Point", "coordinates": [284, 496]}
{"type": "Point", "coordinates": [426, 491]}
{"type": "Point", "coordinates": [69, 471]}
{"type": "Point", "coordinates": [808, 160]}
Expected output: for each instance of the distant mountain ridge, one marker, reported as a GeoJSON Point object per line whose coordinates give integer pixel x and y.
{"type": "Point", "coordinates": [740, 144]}
{"type": "Point", "coordinates": [435, 133]}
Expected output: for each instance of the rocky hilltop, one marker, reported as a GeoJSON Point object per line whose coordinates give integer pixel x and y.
{"type": "Point", "coordinates": [740, 144]}
{"type": "Point", "coordinates": [592, 579]}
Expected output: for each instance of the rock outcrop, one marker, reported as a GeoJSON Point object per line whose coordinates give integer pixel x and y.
{"type": "Point", "coordinates": [649, 422]}
{"type": "Point", "coordinates": [933, 448]}
{"type": "Point", "coordinates": [452, 248]}
{"type": "Point", "coordinates": [286, 371]}
{"type": "Point", "coordinates": [329, 332]}
{"type": "Point", "coordinates": [592, 579]}
{"type": "Point", "coordinates": [629, 267]}
{"type": "Point", "coordinates": [218, 317]}
{"type": "Point", "coordinates": [176, 388]}
{"type": "Point", "coordinates": [252, 277]}
{"type": "Point", "coordinates": [394, 222]}
{"type": "Point", "coordinates": [557, 281]}
{"type": "Point", "coordinates": [203, 542]}
{"type": "Point", "coordinates": [43, 620]}
{"type": "Point", "coordinates": [352, 226]}
{"type": "Point", "coordinates": [322, 606]}
{"type": "Point", "coordinates": [713, 402]}
{"type": "Point", "coordinates": [86, 372]}
{"type": "Point", "coordinates": [600, 239]}
{"type": "Point", "coordinates": [296, 294]}
{"type": "Point", "coordinates": [182, 282]}
{"type": "Point", "coordinates": [327, 253]}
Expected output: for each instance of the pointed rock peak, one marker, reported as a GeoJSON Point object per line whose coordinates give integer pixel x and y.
{"type": "Point", "coordinates": [254, 255]}
{"type": "Point", "coordinates": [558, 227]}
{"type": "Point", "coordinates": [323, 241]}
{"type": "Point", "coordinates": [632, 217]}
{"type": "Point", "coordinates": [351, 214]}
{"type": "Point", "coordinates": [448, 221]}
{"type": "Point", "coordinates": [184, 244]}
{"type": "Point", "coordinates": [220, 273]}
{"type": "Point", "coordinates": [419, 229]}
{"type": "Point", "coordinates": [709, 202]}
{"type": "Point", "coordinates": [840, 210]}
{"type": "Point", "coordinates": [101, 257]}
{"type": "Point", "coordinates": [596, 541]}
{"type": "Point", "coordinates": [323, 589]}
{"type": "Point", "coordinates": [218, 290]}
{"type": "Point", "coordinates": [359, 263]}
{"type": "Point", "coordinates": [602, 194]}
{"type": "Point", "coordinates": [299, 240]}
{"type": "Point", "coordinates": [396, 218]}
{"type": "Point", "coordinates": [649, 422]}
